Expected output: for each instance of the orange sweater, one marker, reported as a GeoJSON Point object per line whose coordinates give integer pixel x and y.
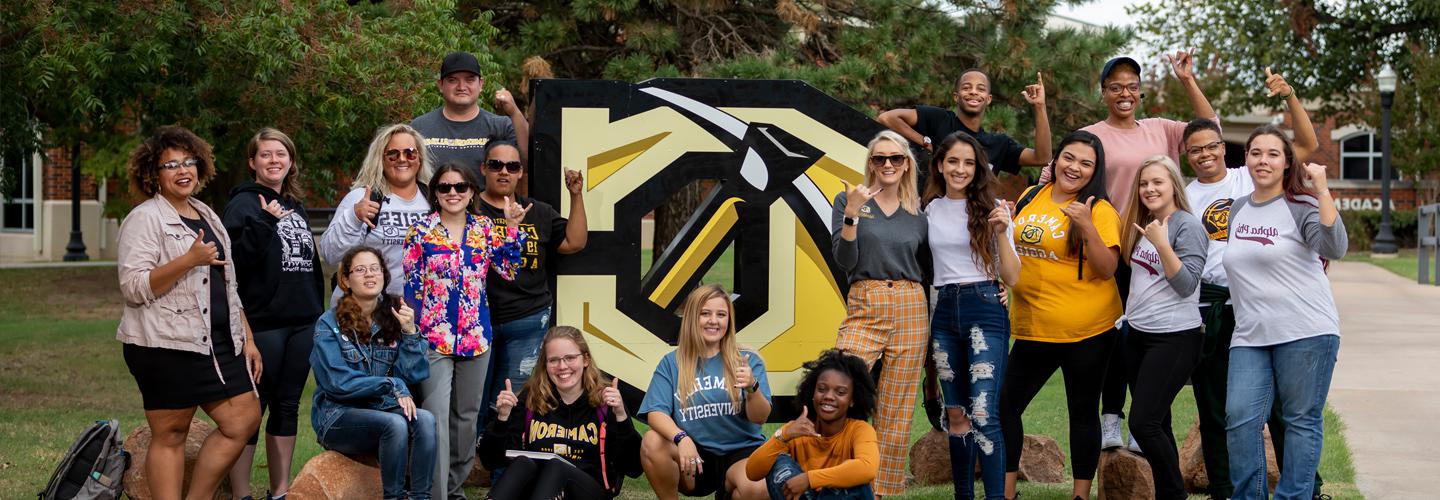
{"type": "Point", "coordinates": [850, 458]}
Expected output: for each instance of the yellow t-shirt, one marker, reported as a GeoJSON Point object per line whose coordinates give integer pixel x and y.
{"type": "Point", "coordinates": [1050, 304]}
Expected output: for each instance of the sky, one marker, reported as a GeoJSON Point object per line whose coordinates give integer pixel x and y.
{"type": "Point", "coordinates": [1102, 11]}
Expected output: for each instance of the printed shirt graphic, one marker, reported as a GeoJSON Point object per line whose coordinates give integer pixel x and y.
{"type": "Point", "coordinates": [1049, 304]}
{"type": "Point", "coordinates": [1155, 306]}
{"type": "Point", "coordinates": [297, 245]}
{"type": "Point", "coordinates": [530, 291]}
{"type": "Point", "coordinates": [710, 419]}
{"type": "Point", "coordinates": [1211, 203]}
{"type": "Point", "coordinates": [1276, 273]}
{"type": "Point", "coordinates": [347, 231]}
{"type": "Point", "coordinates": [445, 281]}
{"type": "Point", "coordinates": [462, 142]}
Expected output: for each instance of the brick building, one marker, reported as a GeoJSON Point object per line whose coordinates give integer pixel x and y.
{"type": "Point", "coordinates": [35, 218]}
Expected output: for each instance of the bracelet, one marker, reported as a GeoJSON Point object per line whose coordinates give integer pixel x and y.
{"type": "Point", "coordinates": [753, 388]}
{"type": "Point", "coordinates": [680, 436]}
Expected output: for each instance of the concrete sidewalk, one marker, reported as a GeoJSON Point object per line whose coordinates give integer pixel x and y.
{"type": "Point", "coordinates": [1387, 381]}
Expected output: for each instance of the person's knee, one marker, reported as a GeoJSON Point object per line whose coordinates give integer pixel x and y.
{"type": "Point", "coordinates": [958, 421]}
{"type": "Point", "coordinates": [169, 435]}
{"type": "Point", "coordinates": [654, 449]}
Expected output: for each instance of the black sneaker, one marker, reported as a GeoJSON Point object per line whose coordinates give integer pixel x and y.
{"type": "Point", "coordinates": [1320, 496]}
{"type": "Point", "coordinates": [933, 414]}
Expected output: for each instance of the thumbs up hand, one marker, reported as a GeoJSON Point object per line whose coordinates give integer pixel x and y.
{"type": "Point", "coordinates": [504, 402]}
{"type": "Point", "coordinates": [743, 378]}
{"type": "Point", "coordinates": [613, 399]}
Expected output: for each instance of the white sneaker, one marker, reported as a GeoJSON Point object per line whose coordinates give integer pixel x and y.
{"type": "Point", "coordinates": [1135, 446]}
{"type": "Point", "coordinates": [1110, 436]}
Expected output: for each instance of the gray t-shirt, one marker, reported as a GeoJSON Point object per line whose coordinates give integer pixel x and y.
{"type": "Point", "coordinates": [462, 142]}
{"type": "Point", "coordinates": [885, 247]}
{"type": "Point", "coordinates": [1163, 305]}
{"type": "Point", "coordinates": [1277, 277]}
{"type": "Point", "coordinates": [393, 222]}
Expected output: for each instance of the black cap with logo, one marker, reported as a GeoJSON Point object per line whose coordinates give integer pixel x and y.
{"type": "Point", "coordinates": [1111, 64]}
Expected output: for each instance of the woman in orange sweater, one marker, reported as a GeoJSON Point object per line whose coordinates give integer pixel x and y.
{"type": "Point", "coordinates": [835, 456]}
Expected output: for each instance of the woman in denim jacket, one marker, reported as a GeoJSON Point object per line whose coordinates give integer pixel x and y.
{"type": "Point", "coordinates": [366, 356]}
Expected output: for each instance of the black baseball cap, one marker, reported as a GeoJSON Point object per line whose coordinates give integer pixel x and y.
{"type": "Point", "coordinates": [1111, 64]}
{"type": "Point", "coordinates": [460, 61]}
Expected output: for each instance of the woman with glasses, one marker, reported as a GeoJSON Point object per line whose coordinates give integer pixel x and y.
{"type": "Point", "coordinates": [447, 256]}
{"type": "Point", "coordinates": [880, 237]}
{"type": "Point", "coordinates": [186, 339]}
{"type": "Point", "coordinates": [367, 355]}
{"type": "Point", "coordinates": [705, 404]}
{"type": "Point", "coordinates": [520, 309]}
{"type": "Point", "coordinates": [386, 198]}
{"type": "Point", "coordinates": [579, 438]}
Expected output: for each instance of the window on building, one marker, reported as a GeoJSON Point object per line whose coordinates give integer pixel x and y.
{"type": "Point", "coordinates": [18, 179]}
{"type": "Point", "coordinates": [1360, 158]}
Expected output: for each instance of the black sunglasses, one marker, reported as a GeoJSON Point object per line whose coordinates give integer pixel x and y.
{"type": "Point", "coordinates": [496, 165]}
{"type": "Point", "coordinates": [879, 161]}
{"type": "Point", "coordinates": [446, 188]}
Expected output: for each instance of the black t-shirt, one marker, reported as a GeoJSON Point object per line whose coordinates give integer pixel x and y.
{"type": "Point", "coordinates": [1002, 150]}
{"type": "Point", "coordinates": [219, 301]}
{"type": "Point", "coordinates": [530, 292]}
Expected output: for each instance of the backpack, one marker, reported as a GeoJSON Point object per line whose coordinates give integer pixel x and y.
{"type": "Point", "coordinates": [94, 468]}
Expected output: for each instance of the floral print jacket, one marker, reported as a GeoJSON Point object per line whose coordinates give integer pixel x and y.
{"type": "Point", "coordinates": [445, 281]}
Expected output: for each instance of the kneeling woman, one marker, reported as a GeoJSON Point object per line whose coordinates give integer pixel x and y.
{"type": "Point", "coordinates": [366, 356]}
{"type": "Point", "coordinates": [565, 409]}
{"type": "Point", "coordinates": [832, 455]}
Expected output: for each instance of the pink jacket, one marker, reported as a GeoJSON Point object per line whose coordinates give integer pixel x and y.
{"type": "Point", "coordinates": [151, 236]}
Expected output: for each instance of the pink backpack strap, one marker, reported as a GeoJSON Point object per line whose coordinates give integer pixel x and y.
{"type": "Point", "coordinates": [600, 414]}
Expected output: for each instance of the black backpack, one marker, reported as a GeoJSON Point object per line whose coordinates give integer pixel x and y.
{"type": "Point", "coordinates": [94, 468]}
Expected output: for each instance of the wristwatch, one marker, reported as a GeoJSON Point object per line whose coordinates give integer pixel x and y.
{"type": "Point", "coordinates": [780, 434]}
{"type": "Point", "coordinates": [850, 221]}
{"type": "Point", "coordinates": [926, 140]}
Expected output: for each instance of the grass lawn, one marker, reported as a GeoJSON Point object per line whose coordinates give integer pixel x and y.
{"type": "Point", "coordinates": [61, 369]}
{"type": "Point", "coordinates": [1403, 264]}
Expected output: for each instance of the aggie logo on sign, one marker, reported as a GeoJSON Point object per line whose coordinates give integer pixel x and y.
{"type": "Point", "coordinates": [777, 151]}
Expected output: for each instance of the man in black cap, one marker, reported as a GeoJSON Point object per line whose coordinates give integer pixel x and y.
{"type": "Point", "coordinates": [459, 130]}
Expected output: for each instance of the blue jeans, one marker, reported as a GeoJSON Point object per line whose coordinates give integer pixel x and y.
{"type": "Point", "coordinates": [971, 336]}
{"type": "Point", "coordinates": [516, 345]}
{"type": "Point", "coordinates": [786, 468]}
{"type": "Point", "coordinates": [1296, 377]}
{"type": "Point", "coordinates": [404, 448]}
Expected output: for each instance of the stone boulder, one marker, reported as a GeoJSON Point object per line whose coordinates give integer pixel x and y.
{"type": "Point", "coordinates": [930, 458]}
{"type": "Point", "coordinates": [479, 476]}
{"type": "Point", "coordinates": [333, 476]}
{"type": "Point", "coordinates": [1041, 461]}
{"type": "Point", "coordinates": [137, 485]}
{"type": "Point", "coordinates": [1192, 462]}
{"type": "Point", "coordinates": [1125, 476]}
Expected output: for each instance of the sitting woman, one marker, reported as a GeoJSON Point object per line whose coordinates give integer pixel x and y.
{"type": "Point", "coordinates": [832, 455]}
{"type": "Point", "coordinates": [565, 409]}
{"type": "Point", "coordinates": [366, 356]}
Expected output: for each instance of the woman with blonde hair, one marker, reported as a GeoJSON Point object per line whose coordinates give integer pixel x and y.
{"type": "Point", "coordinates": [1167, 247]}
{"type": "Point", "coordinates": [387, 197]}
{"type": "Point", "coordinates": [879, 238]}
{"type": "Point", "coordinates": [705, 404]}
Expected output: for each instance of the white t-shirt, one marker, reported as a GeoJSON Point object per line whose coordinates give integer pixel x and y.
{"type": "Point", "coordinates": [1211, 203]}
{"type": "Point", "coordinates": [1165, 305]}
{"type": "Point", "coordinates": [950, 243]}
{"type": "Point", "coordinates": [1277, 275]}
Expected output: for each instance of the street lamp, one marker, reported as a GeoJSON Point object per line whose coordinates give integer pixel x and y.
{"type": "Point", "coordinates": [1385, 241]}
{"type": "Point", "coordinates": [75, 250]}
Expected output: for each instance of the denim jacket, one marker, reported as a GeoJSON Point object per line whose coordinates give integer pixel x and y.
{"type": "Point", "coordinates": [350, 375]}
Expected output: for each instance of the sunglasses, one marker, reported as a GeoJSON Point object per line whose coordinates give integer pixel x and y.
{"type": "Point", "coordinates": [879, 161]}
{"type": "Point", "coordinates": [394, 154]}
{"type": "Point", "coordinates": [513, 167]}
{"type": "Point", "coordinates": [446, 188]}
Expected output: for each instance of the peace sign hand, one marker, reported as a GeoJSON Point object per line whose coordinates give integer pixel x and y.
{"type": "Point", "coordinates": [273, 207]}
{"type": "Point", "coordinates": [202, 253]}
{"type": "Point", "coordinates": [858, 196]}
{"type": "Point", "coordinates": [1275, 85]}
{"type": "Point", "coordinates": [514, 213]}
{"type": "Point", "coordinates": [1035, 92]}
{"type": "Point", "coordinates": [1079, 213]}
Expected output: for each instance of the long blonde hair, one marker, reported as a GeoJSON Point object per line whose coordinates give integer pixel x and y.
{"type": "Point", "coordinates": [909, 191]}
{"type": "Point", "coordinates": [690, 352]}
{"type": "Point", "coordinates": [372, 169]}
{"type": "Point", "coordinates": [540, 394]}
{"type": "Point", "coordinates": [1137, 213]}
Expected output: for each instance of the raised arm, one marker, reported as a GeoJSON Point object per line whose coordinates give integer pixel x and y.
{"type": "Point", "coordinates": [1306, 141]}
{"type": "Point", "coordinates": [1035, 95]}
{"type": "Point", "coordinates": [1184, 65]}
{"type": "Point", "coordinates": [577, 232]}
{"type": "Point", "coordinates": [902, 121]}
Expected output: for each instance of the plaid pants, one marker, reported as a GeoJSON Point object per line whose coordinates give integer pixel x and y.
{"type": "Point", "coordinates": [888, 320]}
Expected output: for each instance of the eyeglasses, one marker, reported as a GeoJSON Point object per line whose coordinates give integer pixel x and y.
{"type": "Point", "coordinates": [879, 161]}
{"type": "Point", "coordinates": [1116, 88]}
{"type": "Point", "coordinates": [189, 163]}
{"type": "Point", "coordinates": [1211, 148]}
{"type": "Point", "coordinates": [445, 188]}
{"type": "Point", "coordinates": [366, 270]}
{"type": "Point", "coordinates": [568, 359]}
{"type": "Point", "coordinates": [394, 154]}
{"type": "Point", "coordinates": [497, 165]}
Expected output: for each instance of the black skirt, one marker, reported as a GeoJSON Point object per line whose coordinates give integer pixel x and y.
{"type": "Point", "coordinates": [171, 379]}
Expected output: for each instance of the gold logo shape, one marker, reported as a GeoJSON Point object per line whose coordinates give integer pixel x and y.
{"type": "Point", "coordinates": [1031, 234]}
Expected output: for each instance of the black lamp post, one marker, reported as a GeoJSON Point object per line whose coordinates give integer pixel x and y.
{"type": "Point", "coordinates": [1385, 240]}
{"type": "Point", "coordinates": [75, 250]}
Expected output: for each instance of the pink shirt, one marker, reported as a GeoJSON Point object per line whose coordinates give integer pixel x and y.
{"type": "Point", "coordinates": [1125, 149]}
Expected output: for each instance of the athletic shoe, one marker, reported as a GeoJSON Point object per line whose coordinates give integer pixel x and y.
{"type": "Point", "coordinates": [1110, 436]}
{"type": "Point", "coordinates": [1135, 446]}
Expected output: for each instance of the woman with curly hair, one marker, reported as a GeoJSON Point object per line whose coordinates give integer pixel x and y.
{"type": "Point", "coordinates": [829, 452]}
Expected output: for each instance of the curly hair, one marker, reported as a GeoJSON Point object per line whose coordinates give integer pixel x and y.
{"type": "Point", "coordinates": [143, 168]}
{"type": "Point", "coordinates": [862, 394]}
{"type": "Point", "coordinates": [352, 321]}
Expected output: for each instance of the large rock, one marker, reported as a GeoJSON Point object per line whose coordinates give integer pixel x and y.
{"type": "Point", "coordinates": [1125, 476]}
{"type": "Point", "coordinates": [1042, 461]}
{"type": "Point", "coordinates": [930, 458]}
{"type": "Point", "coordinates": [137, 485]}
{"type": "Point", "coordinates": [479, 476]}
{"type": "Point", "coordinates": [1192, 461]}
{"type": "Point", "coordinates": [333, 476]}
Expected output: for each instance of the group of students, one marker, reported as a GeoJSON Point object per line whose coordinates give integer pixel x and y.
{"type": "Point", "coordinates": [1111, 270]}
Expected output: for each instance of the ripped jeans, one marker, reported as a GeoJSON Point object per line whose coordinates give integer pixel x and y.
{"type": "Point", "coordinates": [970, 333]}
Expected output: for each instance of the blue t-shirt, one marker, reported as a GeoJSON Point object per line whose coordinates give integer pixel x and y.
{"type": "Point", "coordinates": [710, 419]}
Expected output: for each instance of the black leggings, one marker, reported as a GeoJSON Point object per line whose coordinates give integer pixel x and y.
{"type": "Point", "coordinates": [285, 353]}
{"type": "Point", "coordinates": [1117, 371]}
{"type": "Point", "coordinates": [1160, 363]}
{"type": "Point", "coordinates": [545, 480]}
{"type": "Point", "coordinates": [1030, 366]}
